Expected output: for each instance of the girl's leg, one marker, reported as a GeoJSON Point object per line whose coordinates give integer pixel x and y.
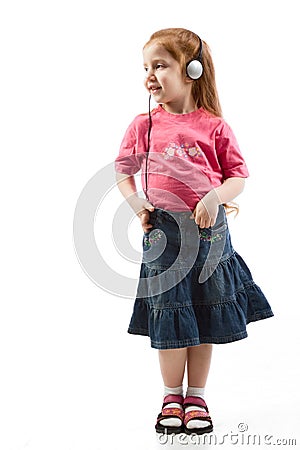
{"type": "Point", "coordinates": [198, 364]}
{"type": "Point", "coordinates": [172, 366]}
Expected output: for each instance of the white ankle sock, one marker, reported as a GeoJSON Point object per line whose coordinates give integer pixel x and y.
{"type": "Point", "coordinates": [174, 391]}
{"type": "Point", "coordinates": [196, 392]}
{"type": "Point", "coordinates": [172, 421]}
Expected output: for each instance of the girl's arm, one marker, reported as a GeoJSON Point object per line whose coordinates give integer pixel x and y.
{"type": "Point", "coordinates": [206, 211]}
{"type": "Point", "coordinates": [230, 189]}
{"type": "Point", "coordinates": [140, 206]}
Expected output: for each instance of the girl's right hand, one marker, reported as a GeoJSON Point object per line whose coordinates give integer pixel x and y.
{"type": "Point", "coordinates": [142, 208]}
{"type": "Point", "coordinates": [144, 217]}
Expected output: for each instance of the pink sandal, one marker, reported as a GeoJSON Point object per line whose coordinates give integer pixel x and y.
{"type": "Point", "coordinates": [167, 413]}
{"type": "Point", "coordinates": [197, 415]}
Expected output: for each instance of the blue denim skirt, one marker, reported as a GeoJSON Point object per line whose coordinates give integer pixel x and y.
{"type": "Point", "coordinates": [193, 287]}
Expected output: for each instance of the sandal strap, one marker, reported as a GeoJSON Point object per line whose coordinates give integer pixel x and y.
{"type": "Point", "coordinates": [195, 401]}
{"type": "Point", "coordinates": [171, 398]}
{"type": "Point", "coordinates": [196, 414]}
{"type": "Point", "coordinates": [171, 412]}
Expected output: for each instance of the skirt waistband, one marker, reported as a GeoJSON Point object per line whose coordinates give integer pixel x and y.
{"type": "Point", "coordinates": [184, 216]}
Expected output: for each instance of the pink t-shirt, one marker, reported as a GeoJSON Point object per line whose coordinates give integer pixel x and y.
{"type": "Point", "coordinates": [189, 155]}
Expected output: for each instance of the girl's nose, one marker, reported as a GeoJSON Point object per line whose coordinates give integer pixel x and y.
{"type": "Point", "coordinates": [150, 75]}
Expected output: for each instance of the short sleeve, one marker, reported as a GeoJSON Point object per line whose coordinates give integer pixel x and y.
{"type": "Point", "coordinates": [131, 153]}
{"type": "Point", "coordinates": [229, 155]}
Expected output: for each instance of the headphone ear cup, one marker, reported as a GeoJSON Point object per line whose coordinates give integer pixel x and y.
{"type": "Point", "coordinates": [194, 69]}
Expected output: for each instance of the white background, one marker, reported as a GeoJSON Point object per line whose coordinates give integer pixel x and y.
{"type": "Point", "coordinates": [71, 82]}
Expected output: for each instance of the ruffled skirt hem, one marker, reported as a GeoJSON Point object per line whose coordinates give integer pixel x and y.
{"type": "Point", "coordinates": [159, 345]}
{"type": "Point", "coordinates": [192, 314]}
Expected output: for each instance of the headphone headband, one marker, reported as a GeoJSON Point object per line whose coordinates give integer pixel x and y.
{"type": "Point", "coordinates": [194, 68]}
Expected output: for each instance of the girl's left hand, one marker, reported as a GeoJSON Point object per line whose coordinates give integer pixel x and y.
{"type": "Point", "coordinates": [206, 211]}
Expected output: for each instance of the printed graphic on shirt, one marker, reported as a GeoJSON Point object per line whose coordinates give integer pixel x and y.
{"type": "Point", "coordinates": [183, 150]}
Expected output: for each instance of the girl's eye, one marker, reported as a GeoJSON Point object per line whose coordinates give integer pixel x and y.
{"type": "Point", "coordinates": [157, 67]}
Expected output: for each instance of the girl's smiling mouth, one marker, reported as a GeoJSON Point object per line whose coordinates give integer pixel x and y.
{"type": "Point", "coordinates": [154, 89]}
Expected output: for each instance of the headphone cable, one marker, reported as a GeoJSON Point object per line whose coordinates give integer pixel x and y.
{"type": "Point", "coordinates": [148, 147]}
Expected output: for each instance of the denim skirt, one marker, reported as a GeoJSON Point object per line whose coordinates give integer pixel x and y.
{"type": "Point", "coordinates": [193, 287]}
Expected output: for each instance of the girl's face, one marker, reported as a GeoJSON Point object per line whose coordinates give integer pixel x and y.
{"type": "Point", "coordinates": [165, 82]}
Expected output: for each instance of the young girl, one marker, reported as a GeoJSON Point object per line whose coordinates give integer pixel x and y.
{"type": "Point", "coordinates": [194, 289]}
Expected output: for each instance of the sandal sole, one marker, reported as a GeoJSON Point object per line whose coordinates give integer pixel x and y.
{"type": "Point", "coordinates": [168, 430]}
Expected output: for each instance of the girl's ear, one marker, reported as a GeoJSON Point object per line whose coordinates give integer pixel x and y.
{"type": "Point", "coordinates": [188, 79]}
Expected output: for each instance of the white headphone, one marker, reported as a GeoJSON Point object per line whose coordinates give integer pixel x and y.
{"type": "Point", "coordinates": [194, 68]}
